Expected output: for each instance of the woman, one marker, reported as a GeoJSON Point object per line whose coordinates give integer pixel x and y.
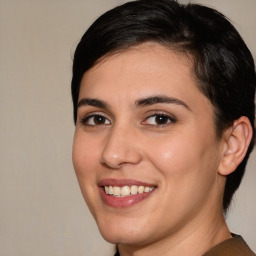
{"type": "Point", "coordinates": [164, 110]}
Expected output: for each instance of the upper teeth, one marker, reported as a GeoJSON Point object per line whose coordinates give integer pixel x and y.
{"type": "Point", "coordinates": [126, 190]}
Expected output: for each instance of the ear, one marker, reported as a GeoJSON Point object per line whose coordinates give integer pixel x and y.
{"type": "Point", "coordinates": [237, 140]}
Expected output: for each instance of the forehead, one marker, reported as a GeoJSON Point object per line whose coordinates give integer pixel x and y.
{"type": "Point", "coordinates": [143, 65]}
{"type": "Point", "coordinates": [120, 80]}
{"type": "Point", "coordinates": [139, 71]}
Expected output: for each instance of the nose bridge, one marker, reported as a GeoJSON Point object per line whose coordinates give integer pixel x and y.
{"type": "Point", "coordinates": [120, 146]}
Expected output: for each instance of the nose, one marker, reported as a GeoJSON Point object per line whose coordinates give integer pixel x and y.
{"type": "Point", "coordinates": [121, 148]}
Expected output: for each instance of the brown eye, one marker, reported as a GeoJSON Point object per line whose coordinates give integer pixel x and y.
{"type": "Point", "coordinates": [159, 119]}
{"type": "Point", "coordinates": [95, 120]}
{"type": "Point", "coordinates": [99, 119]}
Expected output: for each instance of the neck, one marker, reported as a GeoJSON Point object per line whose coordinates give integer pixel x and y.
{"type": "Point", "coordinates": [194, 239]}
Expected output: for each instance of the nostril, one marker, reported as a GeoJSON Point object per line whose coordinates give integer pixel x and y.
{"type": "Point", "coordinates": [111, 164]}
{"type": "Point", "coordinates": [120, 149]}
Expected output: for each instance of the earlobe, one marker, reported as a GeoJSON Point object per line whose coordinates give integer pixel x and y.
{"type": "Point", "coordinates": [237, 141]}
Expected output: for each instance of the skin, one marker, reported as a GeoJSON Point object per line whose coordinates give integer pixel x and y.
{"type": "Point", "coordinates": [182, 157]}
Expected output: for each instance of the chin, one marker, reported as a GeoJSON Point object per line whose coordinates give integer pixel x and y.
{"type": "Point", "coordinates": [124, 238]}
{"type": "Point", "coordinates": [122, 232]}
{"type": "Point", "coordinates": [119, 238]}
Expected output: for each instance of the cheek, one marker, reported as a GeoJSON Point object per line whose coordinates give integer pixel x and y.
{"type": "Point", "coordinates": [170, 155]}
{"type": "Point", "coordinates": [188, 171]}
{"type": "Point", "coordinates": [85, 159]}
{"type": "Point", "coordinates": [84, 153]}
{"type": "Point", "coordinates": [183, 155]}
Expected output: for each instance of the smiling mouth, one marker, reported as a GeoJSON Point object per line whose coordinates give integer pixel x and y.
{"type": "Point", "coordinates": [122, 193]}
{"type": "Point", "coordinates": [126, 191]}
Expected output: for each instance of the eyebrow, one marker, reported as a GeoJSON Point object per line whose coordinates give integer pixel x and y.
{"type": "Point", "coordinates": [92, 102]}
{"type": "Point", "coordinates": [148, 101]}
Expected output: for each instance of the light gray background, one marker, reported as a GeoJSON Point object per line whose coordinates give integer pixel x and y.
{"type": "Point", "coordinates": [42, 212]}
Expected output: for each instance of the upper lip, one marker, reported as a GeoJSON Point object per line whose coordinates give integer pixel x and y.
{"type": "Point", "coordinates": [123, 182]}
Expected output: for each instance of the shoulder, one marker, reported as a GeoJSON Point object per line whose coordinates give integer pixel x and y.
{"type": "Point", "coordinates": [235, 246]}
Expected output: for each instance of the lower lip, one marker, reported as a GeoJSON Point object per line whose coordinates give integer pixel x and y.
{"type": "Point", "coordinates": [121, 202]}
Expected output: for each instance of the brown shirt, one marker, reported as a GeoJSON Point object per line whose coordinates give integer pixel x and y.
{"type": "Point", "coordinates": [235, 246]}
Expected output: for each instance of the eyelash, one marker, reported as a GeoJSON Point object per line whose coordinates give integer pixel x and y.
{"type": "Point", "coordinates": [167, 118]}
{"type": "Point", "coordinates": [86, 119]}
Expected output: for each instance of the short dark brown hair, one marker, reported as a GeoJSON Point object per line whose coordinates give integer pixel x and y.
{"type": "Point", "coordinates": [223, 65]}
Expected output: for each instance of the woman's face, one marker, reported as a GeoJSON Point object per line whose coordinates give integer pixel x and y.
{"type": "Point", "coordinates": [146, 135]}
